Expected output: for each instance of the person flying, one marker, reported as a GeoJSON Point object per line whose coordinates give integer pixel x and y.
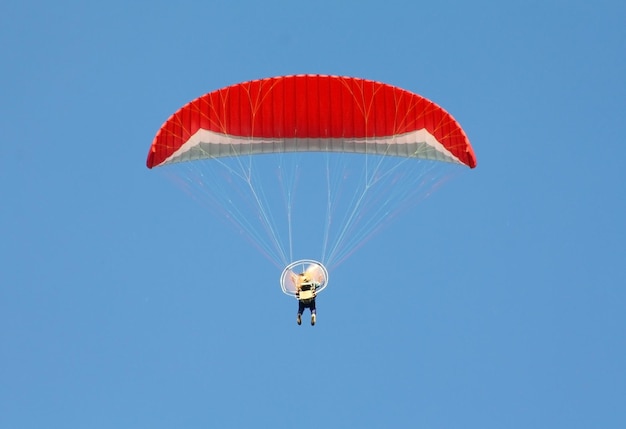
{"type": "Point", "coordinates": [305, 293]}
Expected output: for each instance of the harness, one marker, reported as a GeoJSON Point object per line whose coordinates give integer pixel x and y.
{"type": "Point", "coordinates": [307, 292]}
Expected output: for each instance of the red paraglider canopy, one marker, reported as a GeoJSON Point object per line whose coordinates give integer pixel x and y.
{"type": "Point", "coordinates": [310, 113]}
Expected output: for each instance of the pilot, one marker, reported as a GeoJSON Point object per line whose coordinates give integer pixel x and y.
{"type": "Point", "coordinates": [305, 292]}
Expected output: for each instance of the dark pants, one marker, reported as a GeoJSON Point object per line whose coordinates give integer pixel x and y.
{"type": "Point", "coordinates": [306, 304]}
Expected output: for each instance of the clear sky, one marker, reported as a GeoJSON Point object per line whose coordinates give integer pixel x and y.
{"type": "Point", "coordinates": [499, 302]}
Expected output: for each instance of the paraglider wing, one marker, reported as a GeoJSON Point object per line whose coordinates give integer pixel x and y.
{"type": "Point", "coordinates": [307, 113]}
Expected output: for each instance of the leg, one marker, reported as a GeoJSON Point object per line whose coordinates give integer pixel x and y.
{"type": "Point", "coordinates": [300, 311]}
{"type": "Point", "coordinates": [313, 312]}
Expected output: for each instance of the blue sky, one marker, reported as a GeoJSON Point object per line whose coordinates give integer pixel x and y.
{"type": "Point", "coordinates": [498, 302]}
